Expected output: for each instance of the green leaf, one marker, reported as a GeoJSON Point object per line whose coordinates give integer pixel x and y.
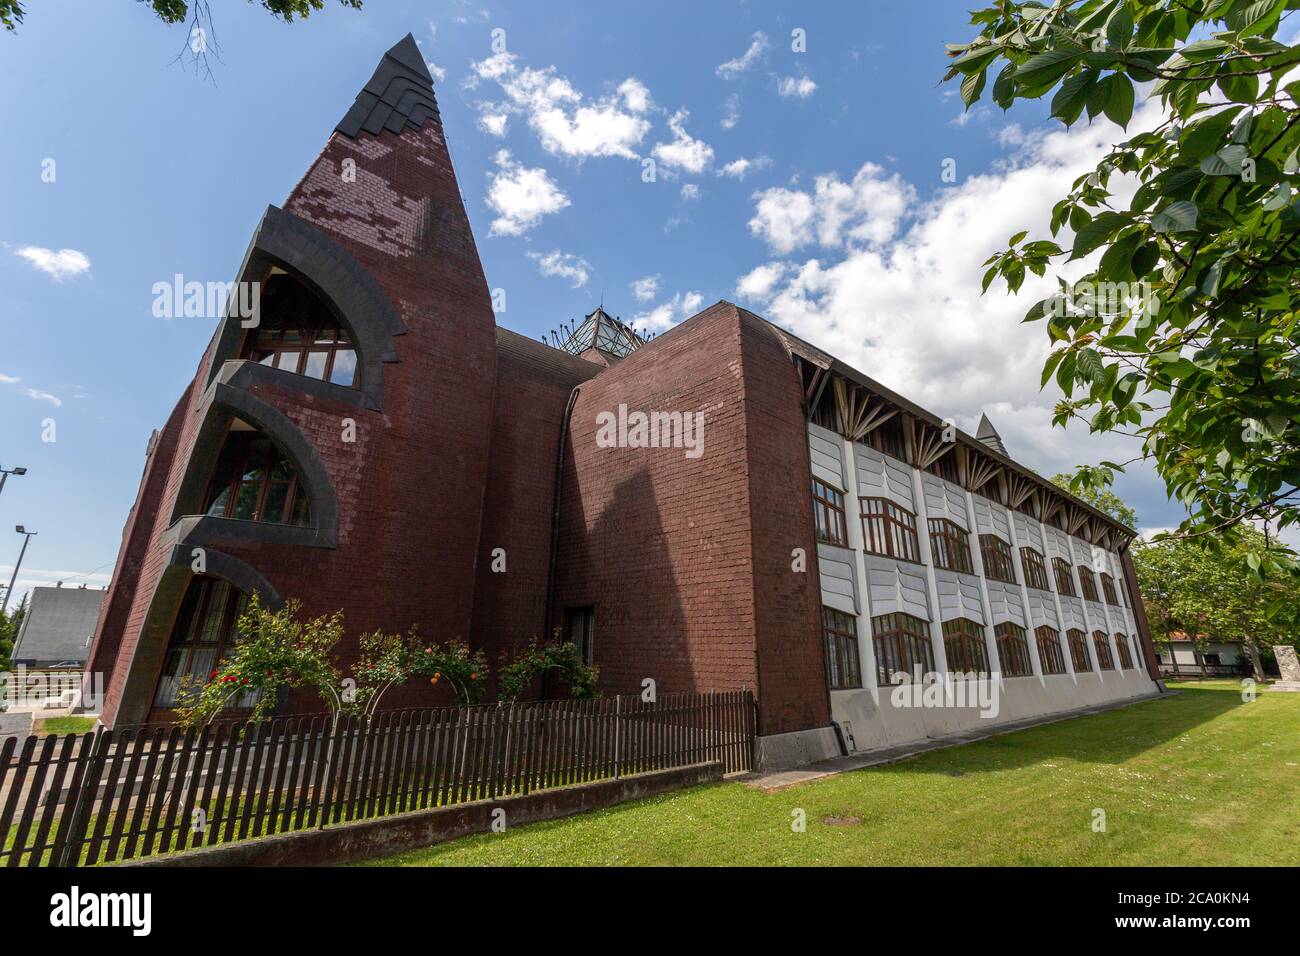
{"type": "Point", "coordinates": [1097, 233]}
{"type": "Point", "coordinates": [1090, 367]}
{"type": "Point", "coordinates": [1226, 162]}
{"type": "Point", "coordinates": [1071, 98]}
{"type": "Point", "coordinates": [1118, 104]}
{"type": "Point", "coordinates": [1119, 28]}
{"type": "Point", "coordinates": [1176, 217]}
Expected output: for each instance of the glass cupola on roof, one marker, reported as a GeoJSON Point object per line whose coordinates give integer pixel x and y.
{"type": "Point", "coordinates": [602, 331]}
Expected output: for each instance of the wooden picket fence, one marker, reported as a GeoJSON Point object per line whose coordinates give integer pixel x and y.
{"type": "Point", "coordinates": [105, 796]}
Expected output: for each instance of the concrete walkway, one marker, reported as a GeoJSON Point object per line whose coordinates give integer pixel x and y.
{"type": "Point", "coordinates": [780, 779]}
{"type": "Point", "coordinates": [15, 724]}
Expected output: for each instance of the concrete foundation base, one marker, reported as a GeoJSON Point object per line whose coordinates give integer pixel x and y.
{"type": "Point", "coordinates": [1286, 686]}
{"type": "Point", "coordinates": [796, 749]}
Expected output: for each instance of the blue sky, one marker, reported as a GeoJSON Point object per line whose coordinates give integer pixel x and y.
{"type": "Point", "coordinates": [839, 222]}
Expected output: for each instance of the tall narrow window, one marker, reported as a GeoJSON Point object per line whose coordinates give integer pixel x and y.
{"type": "Point", "coordinates": [1049, 650]}
{"type": "Point", "coordinates": [1089, 582]}
{"type": "Point", "coordinates": [996, 554]}
{"type": "Point", "coordinates": [828, 510]}
{"type": "Point", "coordinates": [1013, 650]}
{"type": "Point", "coordinates": [1064, 579]}
{"type": "Point", "coordinates": [902, 645]}
{"type": "Point", "coordinates": [841, 630]}
{"type": "Point", "coordinates": [889, 529]}
{"type": "Point", "coordinates": [950, 546]}
{"type": "Point", "coordinates": [202, 637]}
{"type": "Point", "coordinates": [1035, 569]}
{"type": "Point", "coordinates": [1108, 589]}
{"type": "Point", "coordinates": [1105, 661]}
{"type": "Point", "coordinates": [1125, 655]}
{"type": "Point", "coordinates": [580, 627]}
{"type": "Point", "coordinates": [1079, 650]}
{"type": "Point", "coordinates": [963, 643]}
{"type": "Point", "coordinates": [253, 481]}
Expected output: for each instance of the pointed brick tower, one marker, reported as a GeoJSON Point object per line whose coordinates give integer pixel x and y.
{"type": "Point", "coordinates": [335, 452]}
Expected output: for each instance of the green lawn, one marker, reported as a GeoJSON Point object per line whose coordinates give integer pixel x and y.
{"type": "Point", "coordinates": [64, 725]}
{"type": "Point", "coordinates": [1196, 778]}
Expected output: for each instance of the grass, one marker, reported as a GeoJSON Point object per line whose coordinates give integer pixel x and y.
{"type": "Point", "coordinates": [1195, 778]}
{"type": "Point", "coordinates": [64, 725]}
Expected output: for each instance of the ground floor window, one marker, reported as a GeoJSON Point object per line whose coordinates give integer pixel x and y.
{"type": "Point", "coordinates": [902, 644]}
{"type": "Point", "coordinates": [1049, 650]}
{"type": "Point", "coordinates": [1125, 655]}
{"type": "Point", "coordinates": [202, 637]}
{"type": "Point", "coordinates": [843, 671]}
{"type": "Point", "coordinates": [963, 643]}
{"type": "Point", "coordinates": [1013, 650]}
{"type": "Point", "coordinates": [580, 627]}
{"type": "Point", "coordinates": [1104, 659]}
{"type": "Point", "coordinates": [1078, 650]}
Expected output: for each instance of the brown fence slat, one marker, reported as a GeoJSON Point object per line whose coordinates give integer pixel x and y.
{"type": "Point", "coordinates": [39, 846]}
{"type": "Point", "coordinates": [19, 765]}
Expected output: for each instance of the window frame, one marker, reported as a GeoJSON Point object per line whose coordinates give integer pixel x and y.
{"type": "Point", "coordinates": [894, 525]}
{"type": "Point", "coordinates": [294, 487]}
{"type": "Point", "coordinates": [1078, 642]}
{"type": "Point", "coordinates": [964, 639]}
{"type": "Point", "coordinates": [1050, 657]}
{"type": "Point", "coordinates": [1062, 571]}
{"type": "Point", "coordinates": [1101, 645]}
{"type": "Point", "coordinates": [1031, 559]}
{"type": "Point", "coordinates": [585, 616]}
{"type": "Point", "coordinates": [995, 553]}
{"type": "Point", "coordinates": [1088, 581]}
{"type": "Point", "coordinates": [842, 653]}
{"type": "Point", "coordinates": [948, 539]}
{"type": "Point", "coordinates": [1108, 589]}
{"type": "Point", "coordinates": [833, 510]}
{"type": "Point", "coordinates": [1125, 652]}
{"type": "Point", "coordinates": [909, 638]}
{"type": "Point", "coordinates": [1013, 646]}
{"type": "Point", "coordinates": [196, 623]}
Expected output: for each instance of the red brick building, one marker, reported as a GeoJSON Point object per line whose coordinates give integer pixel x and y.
{"type": "Point", "coordinates": [370, 440]}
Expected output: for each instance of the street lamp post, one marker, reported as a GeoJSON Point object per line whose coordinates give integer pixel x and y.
{"type": "Point", "coordinates": [27, 536]}
{"type": "Point", "coordinates": [6, 472]}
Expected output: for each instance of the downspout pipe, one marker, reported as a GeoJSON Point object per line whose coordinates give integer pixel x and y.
{"type": "Point", "coordinates": [555, 511]}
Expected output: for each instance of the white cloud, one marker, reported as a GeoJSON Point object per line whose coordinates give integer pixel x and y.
{"type": "Point", "coordinates": [521, 196]}
{"type": "Point", "coordinates": [565, 265]}
{"type": "Point", "coordinates": [731, 111]}
{"type": "Point", "coordinates": [60, 264]}
{"type": "Point", "coordinates": [645, 288]}
{"type": "Point", "coordinates": [667, 314]}
{"type": "Point", "coordinates": [690, 192]}
{"type": "Point", "coordinates": [566, 123]}
{"type": "Point", "coordinates": [35, 394]}
{"type": "Point", "coordinates": [742, 167]}
{"type": "Point", "coordinates": [800, 87]}
{"type": "Point", "coordinates": [733, 68]}
{"type": "Point", "coordinates": [867, 209]}
{"type": "Point", "coordinates": [685, 151]}
{"type": "Point", "coordinates": [438, 73]}
{"type": "Point", "coordinates": [894, 288]}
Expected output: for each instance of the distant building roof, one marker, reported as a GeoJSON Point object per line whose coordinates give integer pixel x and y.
{"type": "Point", "coordinates": [57, 626]}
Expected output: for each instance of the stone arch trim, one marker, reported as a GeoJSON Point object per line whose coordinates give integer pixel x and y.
{"type": "Point", "coordinates": [345, 286]}
{"type": "Point", "coordinates": [219, 406]}
{"type": "Point", "coordinates": [142, 679]}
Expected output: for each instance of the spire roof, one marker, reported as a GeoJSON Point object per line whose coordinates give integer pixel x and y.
{"type": "Point", "coordinates": [604, 332]}
{"type": "Point", "coordinates": [399, 94]}
{"type": "Point", "coordinates": [989, 435]}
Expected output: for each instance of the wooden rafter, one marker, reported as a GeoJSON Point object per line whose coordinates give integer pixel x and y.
{"type": "Point", "coordinates": [1019, 488]}
{"type": "Point", "coordinates": [928, 444]}
{"type": "Point", "coordinates": [856, 414]}
{"type": "Point", "coordinates": [980, 472]}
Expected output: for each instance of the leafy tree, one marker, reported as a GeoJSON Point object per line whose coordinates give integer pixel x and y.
{"type": "Point", "coordinates": [1101, 498]}
{"type": "Point", "coordinates": [1184, 333]}
{"type": "Point", "coordinates": [1213, 593]}
{"type": "Point", "coordinates": [178, 11]}
{"type": "Point", "coordinates": [390, 660]}
{"type": "Point", "coordinates": [563, 657]}
{"type": "Point", "coordinates": [273, 649]}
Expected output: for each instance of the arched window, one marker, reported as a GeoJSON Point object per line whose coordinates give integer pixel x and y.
{"type": "Point", "coordinates": [1125, 655]}
{"type": "Point", "coordinates": [963, 643]}
{"type": "Point", "coordinates": [253, 481]}
{"type": "Point", "coordinates": [1013, 650]}
{"type": "Point", "coordinates": [297, 333]}
{"type": "Point", "coordinates": [1079, 650]}
{"type": "Point", "coordinates": [902, 645]}
{"type": "Point", "coordinates": [203, 635]}
{"type": "Point", "coordinates": [1105, 661]}
{"type": "Point", "coordinates": [1049, 649]}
